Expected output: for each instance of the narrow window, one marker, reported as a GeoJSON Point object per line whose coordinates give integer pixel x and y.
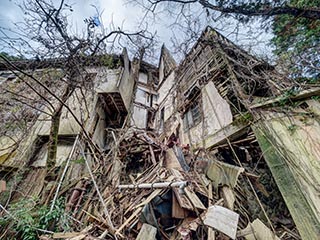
{"type": "Point", "coordinates": [192, 116]}
{"type": "Point", "coordinates": [162, 119]}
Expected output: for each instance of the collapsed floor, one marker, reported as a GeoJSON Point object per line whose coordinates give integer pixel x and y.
{"type": "Point", "coordinates": [146, 189]}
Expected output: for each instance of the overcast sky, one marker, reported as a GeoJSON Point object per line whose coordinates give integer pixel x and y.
{"type": "Point", "coordinates": [126, 16]}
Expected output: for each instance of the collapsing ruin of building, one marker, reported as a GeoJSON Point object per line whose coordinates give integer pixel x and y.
{"type": "Point", "coordinates": [218, 147]}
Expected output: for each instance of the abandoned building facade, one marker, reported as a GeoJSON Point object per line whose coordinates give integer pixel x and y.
{"type": "Point", "coordinates": [241, 136]}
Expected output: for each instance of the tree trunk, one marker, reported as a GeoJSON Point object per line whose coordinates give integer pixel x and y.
{"type": "Point", "coordinates": [54, 129]}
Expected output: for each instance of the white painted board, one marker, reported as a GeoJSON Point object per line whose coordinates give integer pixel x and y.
{"type": "Point", "coordinates": [223, 220]}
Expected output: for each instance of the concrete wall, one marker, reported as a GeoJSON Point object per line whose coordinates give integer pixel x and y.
{"type": "Point", "coordinates": [290, 145]}
{"type": "Point", "coordinates": [99, 135]}
{"type": "Point", "coordinates": [107, 80]}
{"type": "Point", "coordinates": [139, 117]}
{"type": "Point", "coordinates": [161, 70]}
{"type": "Point", "coordinates": [166, 86]}
{"type": "Point", "coordinates": [144, 94]}
{"type": "Point", "coordinates": [143, 78]}
{"type": "Point", "coordinates": [68, 124]}
{"type": "Point", "coordinates": [216, 114]}
{"type": "Point", "coordinates": [166, 94]}
{"type": "Point", "coordinates": [126, 82]}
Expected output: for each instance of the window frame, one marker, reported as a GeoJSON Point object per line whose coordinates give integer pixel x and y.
{"type": "Point", "coordinates": [193, 115]}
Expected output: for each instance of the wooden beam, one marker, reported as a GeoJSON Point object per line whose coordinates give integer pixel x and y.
{"type": "Point", "coordinates": [294, 97]}
{"type": "Point", "coordinates": [294, 197]}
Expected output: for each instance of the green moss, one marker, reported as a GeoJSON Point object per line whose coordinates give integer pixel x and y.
{"type": "Point", "coordinates": [299, 208]}
{"type": "Point", "coordinates": [108, 61]}
{"type": "Point", "coordinates": [53, 141]}
{"type": "Point", "coordinates": [292, 128]}
{"type": "Point", "coordinates": [243, 119]}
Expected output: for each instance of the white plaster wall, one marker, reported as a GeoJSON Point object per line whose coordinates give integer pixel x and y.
{"type": "Point", "coordinates": [99, 134]}
{"type": "Point", "coordinates": [161, 70]}
{"type": "Point", "coordinates": [195, 134]}
{"type": "Point", "coordinates": [217, 112]}
{"type": "Point", "coordinates": [107, 80]}
{"type": "Point", "coordinates": [126, 82]}
{"type": "Point", "coordinates": [216, 115]}
{"type": "Point", "coordinates": [68, 124]}
{"type": "Point", "coordinates": [139, 117]}
{"type": "Point", "coordinates": [143, 78]}
{"type": "Point", "coordinates": [166, 86]}
{"type": "Point", "coordinates": [141, 96]}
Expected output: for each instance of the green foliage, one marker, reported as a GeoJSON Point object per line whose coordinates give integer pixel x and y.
{"type": "Point", "coordinates": [292, 128]}
{"type": "Point", "coordinates": [297, 42]}
{"type": "Point", "coordinates": [109, 61]}
{"type": "Point", "coordinates": [81, 160]}
{"type": "Point", "coordinates": [28, 219]}
{"type": "Point", "coordinates": [10, 57]}
{"type": "Point", "coordinates": [244, 118]}
{"type": "Point", "coordinates": [286, 97]}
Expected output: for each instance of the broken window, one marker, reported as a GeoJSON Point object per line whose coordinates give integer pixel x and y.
{"type": "Point", "coordinates": [192, 116]}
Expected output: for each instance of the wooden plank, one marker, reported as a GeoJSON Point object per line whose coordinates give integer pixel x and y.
{"type": "Point", "coordinates": [228, 197]}
{"type": "Point", "coordinates": [231, 131]}
{"type": "Point", "coordinates": [211, 234]}
{"type": "Point", "coordinates": [171, 161]}
{"type": "Point", "coordinates": [257, 231]}
{"type": "Point", "coordinates": [80, 237]}
{"type": "Point", "coordinates": [66, 235]}
{"type": "Point", "coordinates": [222, 219]}
{"type": "Point", "coordinates": [149, 198]}
{"type": "Point", "coordinates": [210, 195]}
{"type": "Point", "coordinates": [182, 200]}
{"type": "Point", "coordinates": [177, 211]}
{"type": "Point", "coordinates": [147, 232]}
{"type": "Point", "coordinates": [194, 199]}
{"type": "Point", "coordinates": [133, 215]}
{"type": "Point", "coordinates": [2, 186]}
{"type": "Point", "coordinates": [298, 96]}
{"type": "Point", "coordinates": [153, 158]}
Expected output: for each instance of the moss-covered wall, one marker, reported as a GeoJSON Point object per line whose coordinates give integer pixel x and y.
{"type": "Point", "coordinates": [290, 147]}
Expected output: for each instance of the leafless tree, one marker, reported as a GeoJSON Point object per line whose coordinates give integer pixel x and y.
{"type": "Point", "coordinates": [246, 22]}
{"type": "Point", "coordinates": [46, 37]}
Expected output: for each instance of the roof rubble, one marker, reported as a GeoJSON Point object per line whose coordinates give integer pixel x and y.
{"type": "Point", "coordinates": [147, 196]}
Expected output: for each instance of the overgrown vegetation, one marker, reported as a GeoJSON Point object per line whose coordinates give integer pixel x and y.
{"type": "Point", "coordinates": [297, 42]}
{"type": "Point", "coordinates": [27, 220]}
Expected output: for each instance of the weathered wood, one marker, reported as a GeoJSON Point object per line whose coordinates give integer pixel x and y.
{"type": "Point", "coordinates": [66, 235]}
{"type": "Point", "coordinates": [147, 232]}
{"type": "Point", "coordinates": [222, 219]}
{"type": "Point", "coordinates": [2, 186]}
{"type": "Point", "coordinates": [257, 231]}
{"type": "Point", "coordinates": [153, 158]}
{"type": "Point", "coordinates": [194, 199]}
{"type": "Point", "coordinates": [228, 196]}
{"type": "Point", "coordinates": [177, 211]}
{"type": "Point", "coordinates": [231, 131]}
{"type": "Point", "coordinates": [180, 184]}
{"type": "Point", "coordinates": [298, 96]}
{"type": "Point", "coordinates": [295, 197]}
{"type": "Point", "coordinates": [149, 198]}
{"type": "Point", "coordinates": [133, 215]}
{"type": "Point", "coordinates": [171, 161]}
{"type": "Point", "coordinates": [211, 234]}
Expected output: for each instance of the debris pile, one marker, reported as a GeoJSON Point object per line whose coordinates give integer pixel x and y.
{"type": "Point", "coordinates": [146, 189]}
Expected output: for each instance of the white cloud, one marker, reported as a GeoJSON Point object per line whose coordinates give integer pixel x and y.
{"type": "Point", "coordinates": [126, 16]}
